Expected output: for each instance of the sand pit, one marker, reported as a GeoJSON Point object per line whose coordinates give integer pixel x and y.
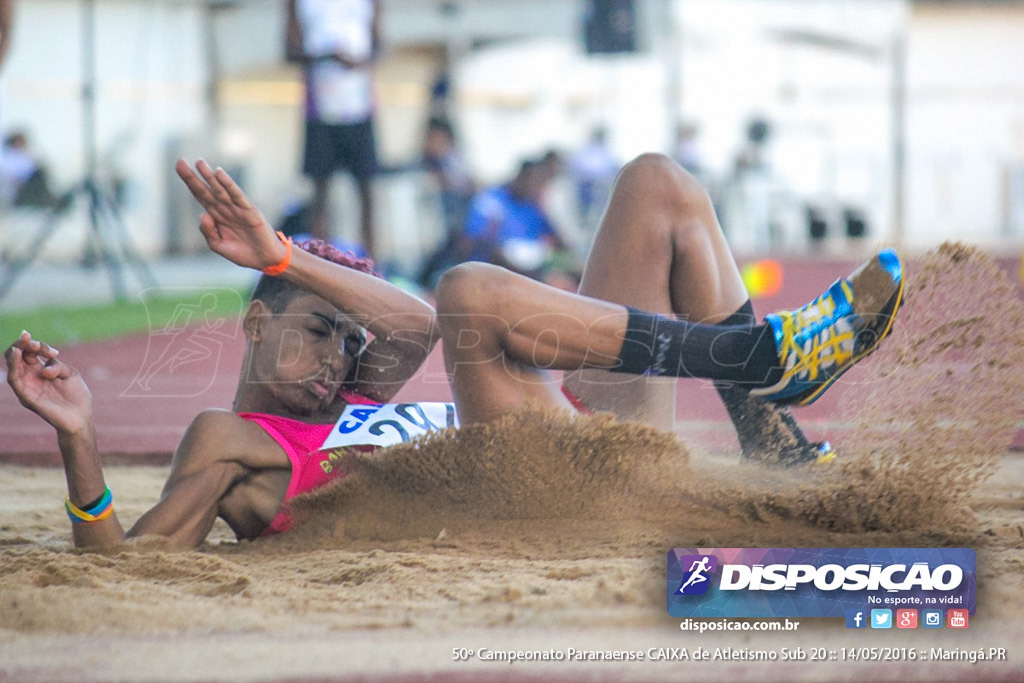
{"type": "Point", "coordinates": [548, 532]}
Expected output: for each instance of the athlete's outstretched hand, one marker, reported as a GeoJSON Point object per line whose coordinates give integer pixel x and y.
{"type": "Point", "coordinates": [46, 386]}
{"type": "Point", "coordinates": [232, 226]}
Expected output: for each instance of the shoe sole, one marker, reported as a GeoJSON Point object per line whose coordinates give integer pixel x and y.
{"type": "Point", "coordinates": [892, 307]}
{"type": "Point", "coordinates": [825, 459]}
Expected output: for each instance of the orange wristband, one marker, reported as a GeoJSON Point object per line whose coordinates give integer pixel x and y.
{"type": "Point", "coordinates": [285, 262]}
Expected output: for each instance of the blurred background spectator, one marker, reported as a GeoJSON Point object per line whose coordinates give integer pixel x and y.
{"type": "Point", "coordinates": [446, 166]}
{"type": "Point", "coordinates": [687, 151]}
{"type": "Point", "coordinates": [24, 181]}
{"type": "Point", "coordinates": [874, 123]}
{"type": "Point", "coordinates": [593, 168]}
{"type": "Point", "coordinates": [507, 225]}
{"type": "Point", "coordinates": [6, 24]}
{"type": "Point", "coordinates": [454, 187]}
{"type": "Point", "coordinates": [336, 42]}
{"type": "Point", "coordinates": [6, 28]}
{"type": "Point", "coordinates": [751, 213]}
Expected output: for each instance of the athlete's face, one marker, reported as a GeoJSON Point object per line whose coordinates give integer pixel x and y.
{"type": "Point", "coordinates": [301, 357]}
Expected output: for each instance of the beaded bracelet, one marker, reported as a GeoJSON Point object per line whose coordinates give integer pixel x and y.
{"type": "Point", "coordinates": [99, 510]}
{"type": "Point", "coordinates": [285, 262]}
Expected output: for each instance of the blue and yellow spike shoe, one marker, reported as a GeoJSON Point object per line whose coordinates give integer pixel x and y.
{"type": "Point", "coordinates": [820, 341]}
{"type": "Point", "coordinates": [817, 453]}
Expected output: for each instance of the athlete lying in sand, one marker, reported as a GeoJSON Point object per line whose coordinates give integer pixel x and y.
{"type": "Point", "coordinates": [659, 247]}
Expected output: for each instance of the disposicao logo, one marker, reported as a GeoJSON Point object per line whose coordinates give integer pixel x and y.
{"type": "Point", "coordinates": [696, 580]}
{"type": "Point", "coordinates": [818, 582]}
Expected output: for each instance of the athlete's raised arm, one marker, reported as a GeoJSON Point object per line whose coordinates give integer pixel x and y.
{"type": "Point", "coordinates": [403, 326]}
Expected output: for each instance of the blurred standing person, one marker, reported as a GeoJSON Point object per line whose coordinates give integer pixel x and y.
{"type": "Point", "coordinates": [552, 164]}
{"type": "Point", "coordinates": [6, 28]}
{"type": "Point", "coordinates": [336, 42]}
{"type": "Point", "coordinates": [593, 168]}
{"type": "Point", "coordinates": [455, 188]}
{"type": "Point", "coordinates": [6, 24]}
{"type": "Point", "coordinates": [448, 168]}
{"type": "Point", "coordinates": [441, 93]}
{"type": "Point", "coordinates": [750, 222]}
{"type": "Point", "coordinates": [687, 152]}
{"type": "Point", "coordinates": [24, 180]}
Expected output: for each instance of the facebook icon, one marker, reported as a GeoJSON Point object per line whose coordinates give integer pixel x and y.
{"type": "Point", "coordinates": [856, 618]}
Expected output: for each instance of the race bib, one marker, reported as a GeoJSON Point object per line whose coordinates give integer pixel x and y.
{"type": "Point", "coordinates": [389, 424]}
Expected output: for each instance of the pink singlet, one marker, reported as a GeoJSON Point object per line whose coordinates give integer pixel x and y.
{"type": "Point", "coordinates": [311, 467]}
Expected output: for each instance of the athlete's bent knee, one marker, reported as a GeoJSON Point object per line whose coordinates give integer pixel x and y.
{"type": "Point", "coordinates": [467, 288]}
{"type": "Point", "coordinates": [664, 181]}
{"type": "Point", "coordinates": [468, 301]}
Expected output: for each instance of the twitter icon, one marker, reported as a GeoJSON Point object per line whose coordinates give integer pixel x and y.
{"type": "Point", "coordinates": [881, 618]}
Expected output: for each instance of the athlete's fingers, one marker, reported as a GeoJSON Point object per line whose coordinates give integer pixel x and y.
{"type": "Point", "coordinates": [199, 188]}
{"type": "Point", "coordinates": [24, 340]}
{"type": "Point", "coordinates": [10, 354]}
{"type": "Point", "coordinates": [194, 183]}
{"type": "Point", "coordinates": [208, 228]}
{"type": "Point", "coordinates": [44, 349]}
{"type": "Point", "coordinates": [54, 369]}
{"type": "Point", "coordinates": [32, 349]}
{"type": "Point", "coordinates": [18, 369]}
{"type": "Point", "coordinates": [218, 201]}
{"type": "Point", "coordinates": [233, 190]}
{"type": "Point", "coordinates": [216, 189]}
{"type": "Point", "coordinates": [15, 355]}
{"type": "Point", "coordinates": [15, 367]}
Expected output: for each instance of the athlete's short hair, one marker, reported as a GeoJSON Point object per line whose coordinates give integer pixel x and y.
{"type": "Point", "coordinates": [276, 292]}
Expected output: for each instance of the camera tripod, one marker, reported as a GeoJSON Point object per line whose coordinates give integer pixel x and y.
{"type": "Point", "coordinates": [107, 236]}
{"type": "Point", "coordinates": [107, 233]}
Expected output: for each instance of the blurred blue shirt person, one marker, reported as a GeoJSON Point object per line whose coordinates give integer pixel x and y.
{"type": "Point", "coordinates": [507, 224]}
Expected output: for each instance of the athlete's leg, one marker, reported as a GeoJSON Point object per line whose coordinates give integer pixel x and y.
{"type": "Point", "coordinates": [318, 164]}
{"type": "Point", "coordinates": [364, 188]}
{"type": "Point", "coordinates": [660, 247]}
{"type": "Point", "coordinates": [498, 328]}
{"type": "Point", "coordinates": [361, 153]}
{"type": "Point", "coordinates": [320, 218]}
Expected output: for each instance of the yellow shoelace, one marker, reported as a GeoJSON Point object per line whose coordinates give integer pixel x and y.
{"type": "Point", "coordinates": [808, 357]}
